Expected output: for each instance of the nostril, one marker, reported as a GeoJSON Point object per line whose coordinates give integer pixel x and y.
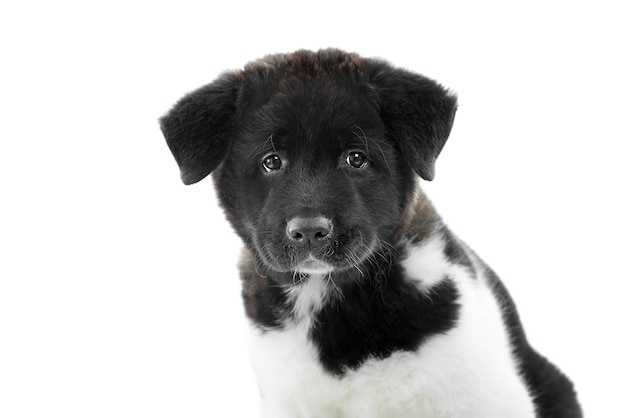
{"type": "Point", "coordinates": [297, 235]}
{"type": "Point", "coordinates": [321, 234]}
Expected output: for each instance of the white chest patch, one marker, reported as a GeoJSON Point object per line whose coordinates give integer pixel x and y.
{"type": "Point", "coordinates": [428, 265]}
{"type": "Point", "coordinates": [467, 372]}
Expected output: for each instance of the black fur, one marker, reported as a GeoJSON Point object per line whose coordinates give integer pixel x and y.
{"type": "Point", "coordinates": [417, 113]}
{"type": "Point", "coordinates": [199, 126]}
{"type": "Point", "coordinates": [553, 391]}
{"type": "Point", "coordinates": [310, 111]}
{"type": "Point", "coordinates": [380, 316]}
{"type": "Point", "coordinates": [375, 316]}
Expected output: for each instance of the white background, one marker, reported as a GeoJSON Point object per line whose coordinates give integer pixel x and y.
{"type": "Point", "coordinates": [119, 295]}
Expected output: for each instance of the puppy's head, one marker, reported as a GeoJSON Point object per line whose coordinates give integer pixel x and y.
{"type": "Point", "coordinates": [313, 154]}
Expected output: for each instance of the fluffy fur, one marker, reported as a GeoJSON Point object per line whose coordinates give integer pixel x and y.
{"type": "Point", "coordinates": [361, 301]}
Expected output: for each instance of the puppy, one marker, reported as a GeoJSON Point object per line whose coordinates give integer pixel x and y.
{"type": "Point", "coordinates": [361, 301]}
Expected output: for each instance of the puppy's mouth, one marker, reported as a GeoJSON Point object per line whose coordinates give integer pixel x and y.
{"type": "Point", "coordinates": [330, 258]}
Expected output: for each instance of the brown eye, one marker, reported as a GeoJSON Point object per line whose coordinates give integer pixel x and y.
{"type": "Point", "coordinates": [272, 163]}
{"type": "Point", "coordinates": [356, 159]}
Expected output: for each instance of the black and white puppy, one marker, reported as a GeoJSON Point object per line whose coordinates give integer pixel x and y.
{"type": "Point", "coordinates": [362, 302]}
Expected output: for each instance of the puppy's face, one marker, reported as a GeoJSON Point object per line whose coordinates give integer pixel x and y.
{"type": "Point", "coordinates": [312, 180]}
{"type": "Point", "coordinates": [314, 154]}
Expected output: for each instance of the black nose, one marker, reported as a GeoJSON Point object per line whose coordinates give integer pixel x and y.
{"type": "Point", "coordinates": [313, 232]}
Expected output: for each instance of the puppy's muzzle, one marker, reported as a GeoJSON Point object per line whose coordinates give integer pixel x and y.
{"type": "Point", "coordinates": [309, 232]}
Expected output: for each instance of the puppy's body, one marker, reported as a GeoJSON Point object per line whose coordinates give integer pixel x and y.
{"type": "Point", "coordinates": [362, 303]}
{"type": "Point", "coordinates": [466, 372]}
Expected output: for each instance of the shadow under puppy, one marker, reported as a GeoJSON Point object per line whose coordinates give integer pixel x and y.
{"type": "Point", "coordinates": [362, 302]}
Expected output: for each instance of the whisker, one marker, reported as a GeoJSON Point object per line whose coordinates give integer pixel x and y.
{"type": "Point", "coordinates": [362, 138]}
{"type": "Point", "coordinates": [366, 141]}
{"type": "Point", "coordinates": [258, 150]}
{"type": "Point", "coordinates": [330, 280]}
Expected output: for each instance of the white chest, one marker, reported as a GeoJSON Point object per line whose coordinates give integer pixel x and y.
{"type": "Point", "coordinates": [467, 372]}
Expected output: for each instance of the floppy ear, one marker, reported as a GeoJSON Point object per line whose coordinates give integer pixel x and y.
{"type": "Point", "coordinates": [197, 129]}
{"type": "Point", "coordinates": [417, 113]}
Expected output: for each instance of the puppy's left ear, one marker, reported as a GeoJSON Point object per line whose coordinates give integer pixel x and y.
{"type": "Point", "coordinates": [198, 128]}
{"type": "Point", "coordinates": [417, 112]}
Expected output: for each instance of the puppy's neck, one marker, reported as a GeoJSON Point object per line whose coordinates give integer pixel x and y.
{"type": "Point", "coordinates": [420, 220]}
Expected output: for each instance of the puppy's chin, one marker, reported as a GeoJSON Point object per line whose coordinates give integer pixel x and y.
{"type": "Point", "coordinates": [309, 265]}
{"type": "Point", "coordinates": [312, 265]}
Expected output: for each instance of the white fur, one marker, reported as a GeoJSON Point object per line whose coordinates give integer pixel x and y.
{"type": "Point", "coordinates": [428, 265]}
{"type": "Point", "coordinates": [309, 296]}
{"type": "Point", "coordinates": [467, 372]}
{"type": "Point", "coordinates": [314, 266]}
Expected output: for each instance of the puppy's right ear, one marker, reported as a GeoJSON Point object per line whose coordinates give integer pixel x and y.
{"type": "Point", "coordinates": [198, 128]}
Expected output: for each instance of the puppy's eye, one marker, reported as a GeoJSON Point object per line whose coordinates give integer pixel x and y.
{"type": "Point", "coordinates": [272, 163]}
{"type": "Point", "coordinates": [356, 159]}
